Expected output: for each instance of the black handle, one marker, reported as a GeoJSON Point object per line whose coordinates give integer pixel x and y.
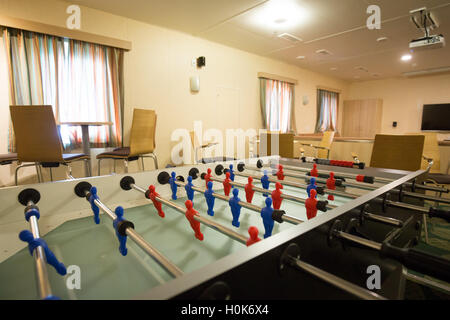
{"type": "Point", "coordinates": [440, 213]}
{"type": "Point", "coordinates": [418, 260]}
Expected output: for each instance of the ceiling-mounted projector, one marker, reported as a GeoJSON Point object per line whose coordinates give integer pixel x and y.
{"type": "Point", "coordinates": [430, 42]}
{"type": "Point", "coordinates": [425, 21]}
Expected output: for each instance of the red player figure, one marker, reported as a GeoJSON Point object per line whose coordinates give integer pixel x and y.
{"type": "Point", "coordinates": [195, 225]}
{"type": "Point", "coordinates": [280, 173]}
{"type": "Point", "coordinates": [226, 184]}
{"type": "Point", "coordinates": [331, 184]}
{"type": "Point", "coordinates": [249, 192]}
{"type": "Point", "coordinates": [314, 172]}
{"type": "Point", "coordinates": [253, 232]}
{"type": "Point", "coordinates": [311, 205]}
{"type": "Point", "coordinates": [276, 196]}
{"type": "Point", "coordinates": [208, 177]}
{"type": "Point", "coordinates": [152, 196]}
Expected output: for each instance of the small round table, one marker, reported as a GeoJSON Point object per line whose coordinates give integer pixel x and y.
{"type": "Point", "coordinates": [85, 135]}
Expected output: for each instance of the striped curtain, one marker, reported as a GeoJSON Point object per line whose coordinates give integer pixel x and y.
{"type": "Point", "coordinates": [81, 81]}
{"type": "Point", "coordinates": [327, 103]}
{"type": "Point", "coordinates": [277, 105]}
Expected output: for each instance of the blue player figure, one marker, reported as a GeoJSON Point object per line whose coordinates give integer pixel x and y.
{"type": "Point", "coordinates": [312, 185]}
{"type": "Point", "coordinates": [231, 172]}
{"type": "Point", "coordinates": [189, 190]}
{"type": "Point", "coordinates": [235, 208]}
{"type": "Point", "coordinates": [265, 182]}
{"type": "Point", "coordinates": [173, 186]}
{"type": "Point", "coordinates": [33, 243]}
{"type": "Point", "coordinates": [94, 207]}
{"type": "Point", "coordinates": [266, 214]}
{"type": "Point", "coordinates": [122, 239]}
{"type": "Point", "coordinates": [210, 198]}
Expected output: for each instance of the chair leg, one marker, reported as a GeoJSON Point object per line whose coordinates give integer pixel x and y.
{"type": "Point", "coordinates": [114, 165]}
{"type": "Point", "coordinates": [125, 163]}
{"type": "Point", "coordinates": [17, 170]}
{"type": "Point", "coordinates": [40, 172]}
{"type": "Point", "coordinates": [15, 174]}
{"type": "Point", "coordinates": [70, 176]}
{"type": "Point", "coordinates": [37, 172]}
{"type": "Point", "coordinates": [98, 164]}
{"type": "Point", "coordinates": [155, 160]}
{"type": "Point", "coordinates": [51, 174]}
{"type": "Point", "coordinates": [143, 166]}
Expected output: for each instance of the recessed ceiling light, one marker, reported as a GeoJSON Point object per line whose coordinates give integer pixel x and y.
{"type": "Point", "coordinates": [280, 20]}
{"type": "Point", "coordinates": [323, 52]}
{"type": "Point", "coordinates": [382, 39]}
{"type": "Point", "coordinates": [280, 13]}
{"type": "Point", "coordinates": [300, 57]}
{"type": "Point", "coordinates": [406, 57]}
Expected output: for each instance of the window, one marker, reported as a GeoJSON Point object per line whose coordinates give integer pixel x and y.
{"type": "Point", "coordinates": [81, 81]}
{"type": "Point", "coordinates": [327, 104]}
{"type": "Point", "coordinates": [277, 105]}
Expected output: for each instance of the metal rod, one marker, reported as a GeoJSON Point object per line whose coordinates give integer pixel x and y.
{"type": "Point", "coordinates": [155, 254]}
{"type": "Point", "coordinates": [342, 174]}
{"type": "Point", "coordinates": [204, 220]}
{"type": "Point", "coordinates": [424, 196]}
{"type": "Point", "coordinates": [353, 176]}
{"type": "Point", "coordinates": [250, 206]}
{"type": "Point", "coordinates": [427, 282]}
{"type": "Point", "coordinates": [364, 242]}
{"type": "Point", "coordinates": [263, 191]}
{"type": "Point", "coordinates": [43, 283]}
{"type": "Point", "coordinates": [406, 206]}
{"type": "Point", "coordinates": [144, 245]}
{"type": "Point", "coordinates": [386, 220]}
{"type": "Point", "coordinates": [359, 185]}
{"type": "Point", "coordinates": [336, 281]}
{"type": "Point", "coordinates": [301, 186]}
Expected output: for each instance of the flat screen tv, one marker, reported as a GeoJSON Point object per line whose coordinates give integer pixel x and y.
{"type": "Point", "coordinates": [436, 117]}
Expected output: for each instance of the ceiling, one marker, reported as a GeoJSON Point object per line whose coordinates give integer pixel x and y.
{"type": "Point", "coordinates": [338, 26]}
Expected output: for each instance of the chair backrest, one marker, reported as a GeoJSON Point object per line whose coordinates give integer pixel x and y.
{"type": "Point", "coordinates": [326, 142]}
{"type": "Point", "coordinates": [285, 144]}
{"type": "Point", "coordinates": [430, 150]}
{"type": "Point", "coordinates": [143, 131]}
{"type": "Point", "coordinates": [402, 152]}
{"type": "Point", "coordinates": [194, 140]}
{"type": "Point", "coordinates": [37, 137]}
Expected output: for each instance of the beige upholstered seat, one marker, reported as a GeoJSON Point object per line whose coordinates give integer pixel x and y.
{"type": "Point", "coordinates": [324, 147]}
{"type": "Point", "coordinates": [37, 139]}
{"type": "Point", "coordinates": [8, 158]}
{"type": "Point", "coordinates": [142, 140]}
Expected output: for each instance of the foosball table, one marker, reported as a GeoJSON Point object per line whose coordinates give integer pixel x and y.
{"type": "Point", "coordinates": [266, 228]}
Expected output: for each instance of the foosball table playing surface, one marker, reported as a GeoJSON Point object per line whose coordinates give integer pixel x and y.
{"type": "Point", "coordinates": [248, 229]}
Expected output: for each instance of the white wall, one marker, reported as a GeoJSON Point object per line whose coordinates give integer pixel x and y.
{"type": "Point", "coordinates": [403, 99]}
{"type": "Point", "coordinates": [158, 68]}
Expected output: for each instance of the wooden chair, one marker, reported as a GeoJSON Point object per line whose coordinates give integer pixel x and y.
{"type": "Point", "coordinates": [323, 149]}
{"type": "Point", "coordinates": [38, 140]}
{"type": "Point", "coordinates": [142, 141]}
{"type": "Point", "coordinates": [401, 152]}
{"type": "Point", "coordinates": [431, 153]}
{"type": "Point", "coordinates": [285, 144]}
{"type": "Point", "coordinates": [197, 147]}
